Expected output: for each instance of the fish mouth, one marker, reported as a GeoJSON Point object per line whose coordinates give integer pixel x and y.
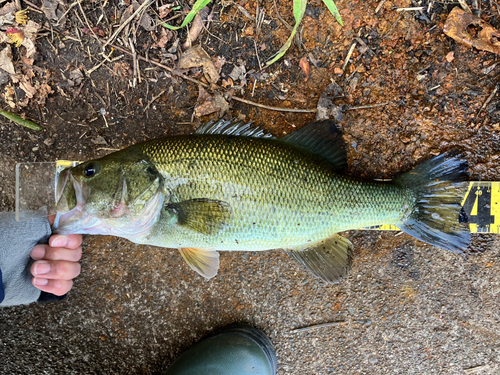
{"type": "Point", "coordinates": [73, 217]}
{"type": "Point", "coordinates": [71, 196]}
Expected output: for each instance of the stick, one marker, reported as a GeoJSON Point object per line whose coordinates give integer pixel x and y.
{"type": "Point", "coordinates": [324, 325]}
{"type": "Point", "coordinates": [152, 100]}
{"type": "Point", "coordinates": [118, 31]}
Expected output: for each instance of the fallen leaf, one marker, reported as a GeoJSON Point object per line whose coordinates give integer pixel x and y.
{"type": "Point", "coordinates": [249, 31]}
{"type": "Point", "coordinates": [460, 24]}
{"type": "Point", "coordinates": [99, 141]}
{"type": "Point", "coordinates": [75, 77]}
{"type": "Point", "coordinates": [306, 68]}
{"type": "Point", "coordinates": [99, 32]}
{"type": "Point", "coordinates": [208, 104]}
{"type": "Point", "coordinates": [239, 72]}
{"type": "Point", "coordinates": [26, 86]}
{"type": "Point", "coordinates": [325, 108]}
{"type": "Point", "coordinates": [219, 62]}
{"type": "Point", "coordinates": [450, 56]}
{"type": "Point", "coordinates": [228, 83]}
{"type": "Point", "coordinates": [196, 57]}
{"type": "Point", "coordinates": [164, 10]}
{"type": "Point", "coordinates": [196, 27]}
{"type": "Point", "coordinates": [30, 34]}
{"type": "Point", "coordinates": [49, 7]}
{"type": "Point", "coordinates": [165, 37]}
{"type": "Point", "coordinates": [122, 69]}
{"type": "Point", "coordinates": [6, 60]}
{"type": "Point", "coordinates": [44, 90]}
{"type": "Point", "coordinates": [145, 20]}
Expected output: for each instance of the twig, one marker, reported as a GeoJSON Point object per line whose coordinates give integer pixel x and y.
{"type": "Point", "coordinates": [86, 20]}
{"type": "Point", "coordinates": [314, 110]}
{"type": "Point", "coordinates": [33, 5]}
{"type": "Point", "coordinates": [122, 26]}
{"type": "Point", "coordinates": [379, 6]}
{"type": "Point", "coordinates": [349, 54]}
{"type": "Point", "coordinates": [287, 25]}
{"type": "Point", "coordinates": [89, 72]}
{"type": "Point", "coordinates": [317, 326]}
{"type": "Point", "coordinates": [134, 61]}
{"type": "Point", "coordinates": [489, 99]}
{"type": "Point", "coordinates": [366, 106]}
{"type": "Point", "coordinates": [67, 11]}
{"type": "Point", "coordinates": [152, 100]}
{"type": "Point", "coordinates": [257, 53]}
{"type": "Point", "coordinates": [409, 9]}
{"type": "Point", "coordinates": [476, 369]}
{"type": "Point", "coordinates": [245, 12]}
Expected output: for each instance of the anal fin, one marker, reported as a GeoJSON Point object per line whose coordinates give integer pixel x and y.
{"type": "Point", "coordinates": [205, 262]}
{"type": "Point", "coordinates": [330, 259]}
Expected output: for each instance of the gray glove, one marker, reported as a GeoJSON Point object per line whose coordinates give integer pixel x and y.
{"type": "Point", "coordinates": [16, 242]}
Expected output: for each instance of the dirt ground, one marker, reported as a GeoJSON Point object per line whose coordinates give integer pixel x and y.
{"type": "Point", "coordinates": [406, 307]}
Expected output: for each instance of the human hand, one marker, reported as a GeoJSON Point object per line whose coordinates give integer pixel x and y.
{"type": "Point", "coordinates": [56, 263]}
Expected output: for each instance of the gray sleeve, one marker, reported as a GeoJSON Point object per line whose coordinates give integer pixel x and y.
{"type": "Point", "coordinates": [16, 242]}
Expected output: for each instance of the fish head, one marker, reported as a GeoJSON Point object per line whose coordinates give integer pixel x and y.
{"type": "Point", "coordinates": [116, 195]}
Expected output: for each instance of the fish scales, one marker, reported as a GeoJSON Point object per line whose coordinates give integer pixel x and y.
{"type": "Point", "coordinates": [279, 195]}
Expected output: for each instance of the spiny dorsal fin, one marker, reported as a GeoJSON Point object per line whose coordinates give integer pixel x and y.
{"type": "Point", "coordinates": [330, 259]}
{"type": "Point", "coordinates": [206, 216]}
{"type": "Point", "coordinates": [233, 127]}
{"type": "Point", "coordinates": [205, 262]}
{"type": "Point", "coordinates": [322, 138]}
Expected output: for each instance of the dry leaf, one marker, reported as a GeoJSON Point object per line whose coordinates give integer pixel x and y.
{"type": "Point", "coordinates": [43, 92]}
{"type": "Point", "coordinates": [6, 60]}
{"type": "Point", "coordinates": [459, 26]}
{"type": "Point", "coordinates": [164, 10]}
{"type": "Point", "coordinates": [326, 109]}
{"type": "Point", "coordinates": [49, 8]}
{"type": "Point", "coordinates": [208, 104]}
{"type": "Point", "coordinates": [165, 37]}
{"type": "Point", "coordinates": [122, 69]}
{"type": "Point", "coordinates": [450, 56]}
{"type": "Point", "coordinates": [10, 96]}
{"type": "Point", "coordinates": [30, 33]}
{"type": "Point", "coordinates": [196, 27]}
{"type": "Point", "coordinates": [196, 57]}
{"type": "Point", "coordinates": [239, 73]}
{"type": "Point", "coordinates": [26, 86]}
{"type": "Point", "coordinates": [306, 68]}
{"type": "Point", "coordinates": [219, 62]}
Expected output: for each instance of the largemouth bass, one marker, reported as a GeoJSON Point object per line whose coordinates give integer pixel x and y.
{"type": "Point", "coordinates": [232, 187]}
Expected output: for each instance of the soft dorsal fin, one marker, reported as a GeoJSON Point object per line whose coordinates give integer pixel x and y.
{"type": "Point", "coordinates": [205, 262]}
{"type": "Point", "coordinates": [233, 127]}
{"type": "Point", "coordinates": [322, 138]}
{"type": "Point", "coordinates": [330, 259]}
{"type": "Point", "coordinates": [205, 216]}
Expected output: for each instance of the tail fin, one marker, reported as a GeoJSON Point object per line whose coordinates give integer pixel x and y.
{"type": "Point", "coordinates": [438, 191]}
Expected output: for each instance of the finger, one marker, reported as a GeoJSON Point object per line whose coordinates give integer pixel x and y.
{"type": "Point", "coordinates": [51, 219]}
{"type": "Point", "coordinates": [45, 252]}
{"type": "Point", "coordinates": [70, 241]}
{"type": "Point", "coordinates": [57, 287]}
{"type": "Point", "coordinates": [57, 269]}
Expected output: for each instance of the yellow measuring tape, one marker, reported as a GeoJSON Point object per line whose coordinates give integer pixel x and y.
{"type": "Point", "coordinates": [481, 204]}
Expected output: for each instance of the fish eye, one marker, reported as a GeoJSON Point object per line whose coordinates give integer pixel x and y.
{"type": "Point", "coordinates": [90, 170]}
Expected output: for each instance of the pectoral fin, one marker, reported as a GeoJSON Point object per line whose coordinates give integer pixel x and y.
{"type": "Point", "coordinates": [206, 216]}
{"type": "Point", "coordinates": [205, 262]}
{"type": "Point", "coordinates": [330, 259]}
